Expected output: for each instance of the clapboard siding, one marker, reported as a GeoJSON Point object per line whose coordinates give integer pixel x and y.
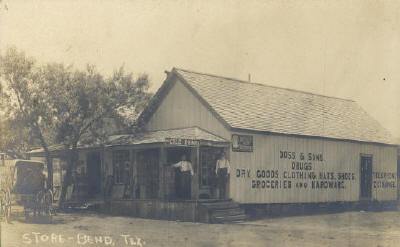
{"type": "Point", "coordinates": [338, 156]}
{"type": "Point", "coordinates": [181, 109]}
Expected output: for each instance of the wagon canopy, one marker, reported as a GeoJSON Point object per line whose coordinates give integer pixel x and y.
{"type": "Point", "coordinates": [29, 177]}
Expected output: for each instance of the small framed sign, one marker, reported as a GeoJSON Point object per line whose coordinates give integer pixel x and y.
{"type": "Point", "coordinates": [242, 143]}
{"type": "Point", "coordinates": [182, 142]}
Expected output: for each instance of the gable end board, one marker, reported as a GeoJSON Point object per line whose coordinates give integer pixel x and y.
{"type": "Point", "coordinates": [181, 108]}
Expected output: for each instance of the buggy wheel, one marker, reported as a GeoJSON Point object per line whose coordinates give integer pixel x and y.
{"type": "Point", "coordinates": [44, 203]}
{"type": "Point", "coordinates": [8, 214]}
{"type": "Point", "coordinates": [2, 205]}
{"type": "Point", "coordinates": [48, 203]}
{"type": "Point", "coordinates": [7, 205]}
{"type": "Point", "coordinates": [26, 214]}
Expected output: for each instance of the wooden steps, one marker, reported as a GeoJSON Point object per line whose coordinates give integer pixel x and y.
{"type": "Point", "coordinates": [223, 211]}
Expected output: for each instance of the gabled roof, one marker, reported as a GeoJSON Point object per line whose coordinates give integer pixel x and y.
{"type": "Point", "coordinates": [242, 105]}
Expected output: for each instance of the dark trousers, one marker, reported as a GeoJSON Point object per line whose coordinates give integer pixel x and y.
{"type": "Point", "coordinates": [183, 185]}
{"type": "Point", "coordinates": [222, 178]}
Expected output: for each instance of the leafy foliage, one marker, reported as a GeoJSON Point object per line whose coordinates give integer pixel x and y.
{"type": "Point", "coordinates": [24, 111]}
{"type": "Point", "coordinates": [26, 106]}
{"type": "Point", "coordinates": [57, 104]}
{"type": "Point", "coordinates": [85, 101]}
{"type": "Point", "coordinates": [14, 139]}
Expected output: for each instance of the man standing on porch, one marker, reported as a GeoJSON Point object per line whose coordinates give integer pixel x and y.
{"type": "Point", "coordinates": [184, 178]}
{"type": "Point", "coordinates": [222, 170]}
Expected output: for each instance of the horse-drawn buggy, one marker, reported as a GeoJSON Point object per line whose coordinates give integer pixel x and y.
{"type": "Point", "coordinates": [23, 183]}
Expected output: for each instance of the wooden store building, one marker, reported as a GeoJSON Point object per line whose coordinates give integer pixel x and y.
{"type": "Point", "coordinates": [283, 147]}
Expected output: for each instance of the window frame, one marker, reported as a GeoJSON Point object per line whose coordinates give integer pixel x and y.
{"type": "Point", "coordinates": [119, 157]}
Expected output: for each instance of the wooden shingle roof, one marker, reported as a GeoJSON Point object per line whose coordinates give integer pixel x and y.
{"type": "Point", "coordinates": [258, 107]}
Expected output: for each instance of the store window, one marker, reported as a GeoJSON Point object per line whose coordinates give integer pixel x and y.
{"type": "Point", "coordinates": [120, 161]}
{"type": "Point", "coordinates": [208, 160]}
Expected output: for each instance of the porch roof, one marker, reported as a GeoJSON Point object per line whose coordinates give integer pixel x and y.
{"type": "Point", "coordinates": [161, 136]}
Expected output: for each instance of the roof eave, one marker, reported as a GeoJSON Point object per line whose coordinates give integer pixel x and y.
{"type": "Point", "coordinates": [311, 136]}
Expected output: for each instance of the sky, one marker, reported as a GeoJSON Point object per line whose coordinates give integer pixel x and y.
{"type": "Point", "coordinates": [348, 49]}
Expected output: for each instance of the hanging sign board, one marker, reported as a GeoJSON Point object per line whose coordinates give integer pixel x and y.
{"type": "Point", "coordinates": [242, 143]}
{"type": "Point", "coordinates": [182, 142]}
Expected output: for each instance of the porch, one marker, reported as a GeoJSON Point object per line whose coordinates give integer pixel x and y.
{"type": "Point", "coordinates": [133, 175]}
{"type": "Point", "coordinates": [142, 164]}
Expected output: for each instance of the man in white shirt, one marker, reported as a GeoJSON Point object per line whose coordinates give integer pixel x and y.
{"type": "Point", "coordinates": [183, 180]}
{"type": "Point", "coordinates": [222, 171]}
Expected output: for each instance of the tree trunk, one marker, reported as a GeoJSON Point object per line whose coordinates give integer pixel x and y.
{"type": "Point", "coordinates": [49, 162]}
{"type": "Point", "coordinates": [49, 159]}
{"type": "Point", "coordinates": [72, 155]}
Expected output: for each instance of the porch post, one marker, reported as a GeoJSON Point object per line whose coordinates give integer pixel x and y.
{"type": "Point", "coordinates": [161, 173]}
{"type": "Point", "coordinates": [195, 153]}
{"type": "Point", "coordinates": [134, 173]}
{"type": "Point", "coordinates": [102, 172]}
{"type": "Point", "coordinates": [228, 185]}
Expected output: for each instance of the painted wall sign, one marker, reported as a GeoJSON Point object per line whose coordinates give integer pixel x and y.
{"type": "Point", "coordinates": [242, 143]}
{"type": "Point", "coordinates": [300, 175]}
{"type": "Point", "coordinates": [308, 171]}
{"type": "Point", "coordinates": [384, 180]}
{"type": "Point", "coordinates": [182, 142]}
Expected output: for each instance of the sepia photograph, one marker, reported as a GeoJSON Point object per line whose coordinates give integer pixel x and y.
{"type": "Point", "coordinates": [199, 123]}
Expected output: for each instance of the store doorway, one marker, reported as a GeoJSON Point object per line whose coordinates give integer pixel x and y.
{"type": "Point", "coordinates": [94, 173]}
{"type": "Point", "coordinates": [208, 179]}
{"type": "Point", "coordinates": [398, 177]}
{"type": "Point", "coordinates": [366, 177]}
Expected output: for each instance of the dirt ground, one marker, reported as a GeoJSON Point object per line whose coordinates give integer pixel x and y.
{"type": "Point", "coordinates": [89, 229]}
